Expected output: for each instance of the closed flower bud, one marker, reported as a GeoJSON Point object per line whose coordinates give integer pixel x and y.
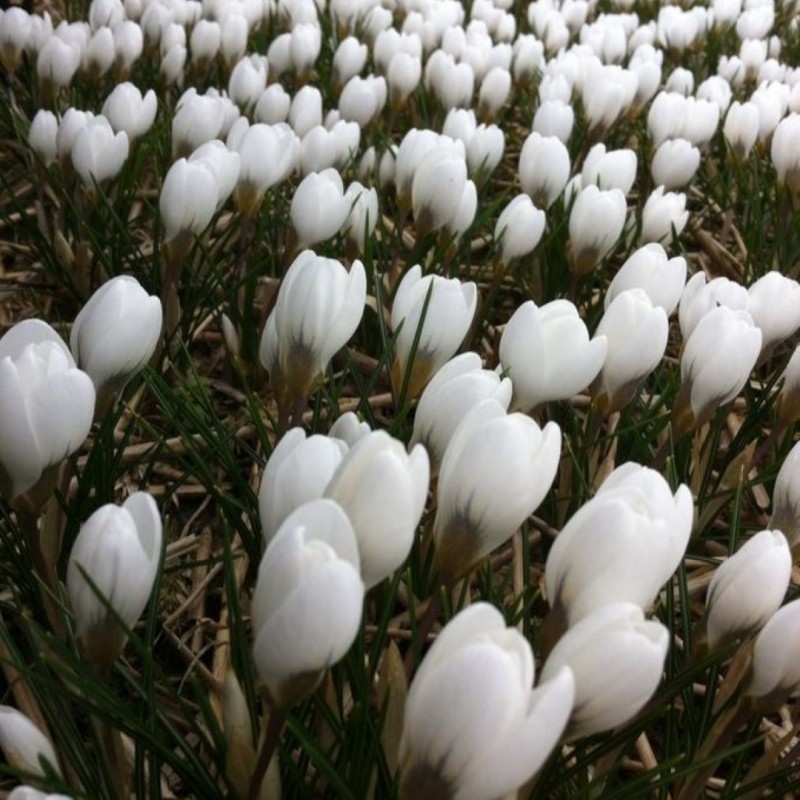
{"type": "Point", "coordinates": [635, 527]}
{"type": "Point", "coordinates": [70, 125]}
{"type": "Point", "coordinates": [98, 153]}
{"type": "Point", "coordinates": [304, 47]}
{"type": "Point", "coordinates": [480, 507]}
{"type": "Point", "coordinates": [636, 332]}
{"type": "Point", "coordinates": [609, 169]}
{"type": "Point", "coordinates": [99, 53]}
{"type": "Point", "coordinates": [741, 128]}
{"type": "Point", "coordinates": [198, 119]}
{"type": "Point", "coordinates": [452, 392]}
{"type": "Point", "coordinates": [788, 403]}
{"type": "Point", "coordinates": [267, 156]}
{"type": "Point", "coordinates": [748, 588]}
{"type": "Point", "coordinates": [248, 81]}
{"type": "Point", "coordinates": [554, 118]}
{"type": "Point", "coordinates": [435, 311]}
{"type": "Point", "coordinates": [362, 99]}
{"type": "Point", "coordinates": [485, 150]}
{"type": "Point", "coordinates": [188, 199]}
{"type": "Point", "coordinates": [715, 365]}
{"type": "Point", "coordinates": [786, 498]}
{"type": "Point", "coordinates": [664, 216]}
{"type": "Point", "coordinates": [519, 228]}
{"type": "Point", "coordinates": [113, 563]}
{"type": "Point", "coordinates": [349, 59]}
{"type": "Point", "coordinates": [23, 744]}
{"type": "Point", "coordinates": [15, 34]}
{"type": "Point", "coordinates": [785, 152]}
{"type": "Point", "coordinates": [204, 41]}
{"type": "Point", "coordinates": [57, 62]}
{"type": "Point", "coordinates": [318, 308]}
{"type": "Point", "coordinates": [126, 110]}
{"type": "Point", "coordinates": [116, 333]}
{"type": "Point", "coordinates": [474, 725]}
{"type": "Point", "coordinates": [674, 164]}
{"type": "Point", "coordinates": [363, 216]}
{"type": "Point", "coordinates": [222, 164]}
{"type": "Point", "coordinates": [775, 673]}
{"type": "Point", "coordinates": [273, 105]}
{"type": "Point", "coordinates": [298, 470]}
{"type": "Point", "coordinates": [544, 168]}
{"type": "Point", "coordinates": [403, 77]}
{"type": "Point", "coordinates": [172, 66]}
{"type": "Point", "coordinates": [306, 110]}
{"type": "Point", "coordinates": [306, 609]}
{"type": "Point", "coordinates": [494, 92]}
{"type": "Point", "coordinates": [319, 207]}
{"type": "Point", "coordinates": [382, 489]}
{"type": "Point", "coordinates": [128, 45]}
{"type": "Point", "coordinates": [349, 428]}
{"type": "Point", "coordinates": [439, 179]}
{"type": "Point", "coordinates": [617, 659]}
{"type": "Point", "coordinates": [608, 93]}
{"type": "Point", "coordinates": [42, 136]}
{"type": "Point", "coordinates": [595, 224]}
{"type": "Point", "coordinates": [46, 405]}
{"type": "Point", "coordinates": [699, 298]}
{"type": "Point", "coordinates": [547, 353]}
{"type": "Point", "coordinates": [773, 302]}
{"type": "Point", "coordinates": [649, 269]}
{"type": "Point", "coordinates": [234, 31]}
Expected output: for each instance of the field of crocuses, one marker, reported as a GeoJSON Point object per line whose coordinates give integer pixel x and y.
{"type": "Point", "coordinates": [399, 399]}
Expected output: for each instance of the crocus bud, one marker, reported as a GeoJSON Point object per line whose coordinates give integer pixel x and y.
{"type": "Point", "coordinates": [636, 332]}
{"type": "Point", "coordinates": [233, 37]}
{"type": "Point", "coordinates": [403, 77]}
{"type": "Point", "coordinates": [494, 92]}
{"type": "Point", "coordinates": [258, 174]}
{"type": "Point", "coordinates": [450, 747]}
{"type": "Point", "coordinates": [99, 54]}
{"type": "Point", "coordinates": [674, 164]}
{"type": "Point", "coordinates": [318, 308]}
{"type": "Point", "coordinates": [452, 392]}
{"type": "Point", "coordinates": [204, 42]}
{"type": "Point", "coordinates": [436, 312]}
{"type": "Point", "coordinates": [609, 169]}
{"type": "Point", "coordinates": [319, 207]}
{"type": "Point", "coordinates": [480, 508]}
{"type": "Point", "coordinates": [786, 153]}
{"type": "Point", "coordinates": [547, 353]}
{"type": "Point", "coordinates": [349, 428]}
{"type": "Point", "coordinates": [57, 63]}
{"type": "Point", "coordinates": [788, 403]}
{"type": "Point", "coordinates": [116, 333]}
{"type": "Point", "coordinates": [188, 199]}
{"type": "Point", "coordinates": [113, 562]}
{"type": "Point", "coordinates": [306, 609]}
{"type": "Point", "coordinates": [438, 184]}
{"type": "Point", "coordinates": [362, 99]}
{"type": "Point", "coordinates": [635, 527]}
{"type": "Point", "coordinates": [15, 34]}
{"type": "Point", "coordinates": [172, 66]}
{"type": "Point", "coordinates": [46, 405]}
{"type": "Point", "coordinates": [349, 59]}
{"type": "Point", "coordinates": [544, 168]}
{"type": "Point", "coordinates": [741, 128]}
{"type": "Point", "coordinates": [222, 164]}
{"type": "Point", "coordinates": [554, 118]}
{"type": "Point", "coordinates": [128, 45]}
{"type": "Point", "coordinates": [664, 216]}
{"type": "Point", "coordinates": [775, 673]}
{"type": "Point", "coordinates": [786, 498]}
{"type": "Point", "coordinates": [273, 105]}
{"type": "Point", "coordinates": [363, 216]}
{"type": "Point", "coordinates": [29, 793]}
{"type": "Point", "coordinates": [128, 111]}
{"type": "Point", "coordinates": [617, 658]}
{"type": "Point", "coordinates": [304, 47]}
{"type": "Point", "coordinates": [699, 298]}
{"type": "Point", "coordinates": [485, 150]}
{"type": "Point", "coordinates": [198, 119]}
{"type": "Point", "coordinates": [748, 588]}
{"type": "Point", "coordinates": [715, 365]}
{"type": "Point", "coordinates": [773, 302]}
{"type": "Point", "coordinates": [382, 489]}
{"type": "Point", "coordinates": [98, 153]}
{"type": "Point", "coordinates": [519, 228]}
{"type": "Point", "coordinates": [298, 470]}
{"type": "Point", "coordinates": [595, 223]}
{"type": "Point", "coordinates": [649, 269]}
{"type": "Point", "coordinates": [42, 136]}
{"type": "Point", "coordinates": [23, 744]}
{"type": "Point", "coordinates": [306, 110]}
{"type": "Point", "coordinates": [248, 81]}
